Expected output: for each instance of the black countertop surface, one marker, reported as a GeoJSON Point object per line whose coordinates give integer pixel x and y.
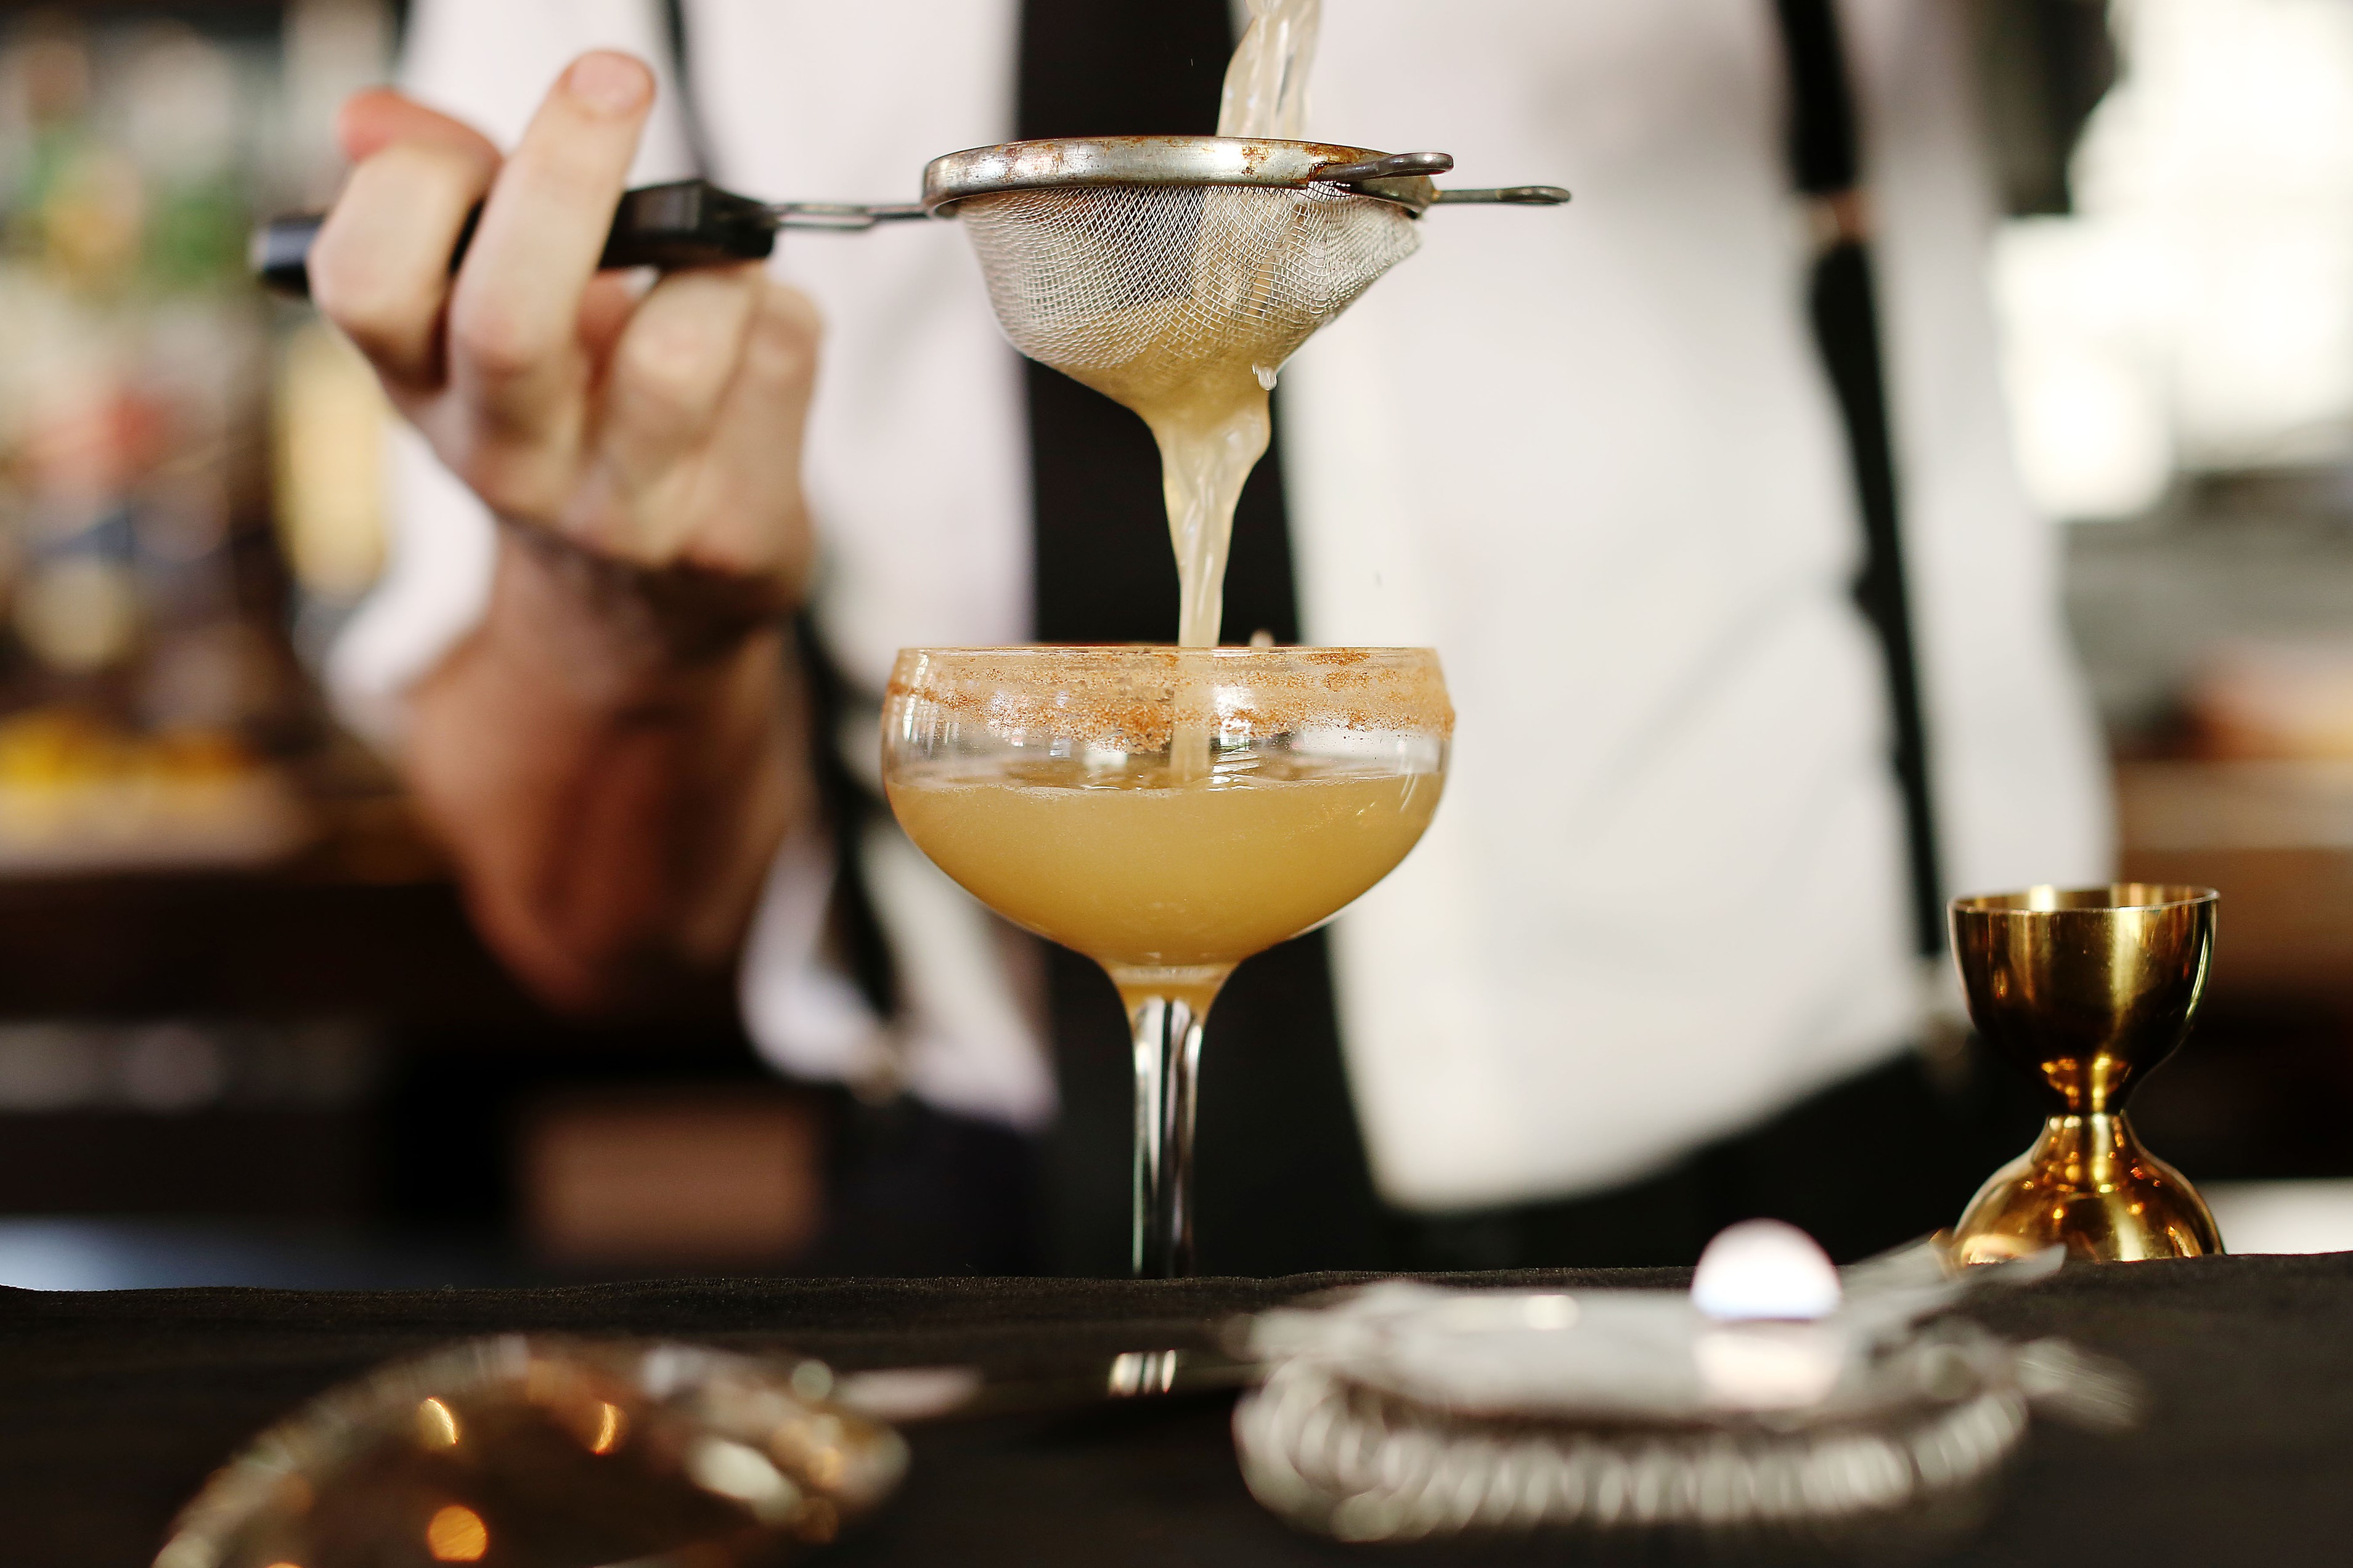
{"type": "Point", "coordinates": [115, 1405]}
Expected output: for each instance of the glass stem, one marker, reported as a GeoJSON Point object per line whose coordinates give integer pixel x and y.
{"type": "Point", "coordinates": [1167, 1066]}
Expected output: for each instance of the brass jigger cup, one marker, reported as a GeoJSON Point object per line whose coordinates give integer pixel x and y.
{"type": "Point", "coordinates": [2088, 989]}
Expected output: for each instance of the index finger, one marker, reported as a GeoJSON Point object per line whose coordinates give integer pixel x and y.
{"type": "Point", "coordinates": [513, 315]}
{"type": "Point", "coordinates": [380, 269]}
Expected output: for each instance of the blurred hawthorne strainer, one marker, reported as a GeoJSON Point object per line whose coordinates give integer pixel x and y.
{"type": "Point", "coordinates": [1402, 1412]}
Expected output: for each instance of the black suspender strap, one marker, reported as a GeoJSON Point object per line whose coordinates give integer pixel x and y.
{"type": "Point", "coordinates": [690, 110]}
{"type": "Point", "coordinates": [1826, 165]}
{"type": "Point", "coordinates": [1283, 1181]}
{"type": "Point", "coordinates": [1105, 572]}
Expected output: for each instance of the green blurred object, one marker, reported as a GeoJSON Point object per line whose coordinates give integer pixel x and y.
{"type": "Point", "coordinates": [195, 236]}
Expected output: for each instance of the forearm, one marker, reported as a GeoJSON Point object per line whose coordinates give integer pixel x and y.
{"type": "Point", "coordinates": [613, 758]}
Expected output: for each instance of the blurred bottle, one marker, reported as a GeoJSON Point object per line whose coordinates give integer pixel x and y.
{"type": "Point", "coordinates": [332, 49]}
{"type": "Point", "coordinates": [144, 673]}
{"type": "Point", "coordinates": [330, 423]}
{"type": "Point", "coordinates": [71, 436]}
{"type": "Point", "coordinates": [329, 414]}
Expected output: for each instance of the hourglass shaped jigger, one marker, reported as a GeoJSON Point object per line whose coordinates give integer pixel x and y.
{"type": "Point", "coordinates": [2087, 989]}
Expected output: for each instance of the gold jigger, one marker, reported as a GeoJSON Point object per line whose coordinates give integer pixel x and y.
{"type": "Point", "coordinates": [2088, 988]}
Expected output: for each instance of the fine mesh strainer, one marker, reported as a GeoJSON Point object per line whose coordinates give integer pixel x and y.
{"type": "Point", "coordinates": [1094, 248]}
{"type": "Point", "coordinates": [1142, 259]}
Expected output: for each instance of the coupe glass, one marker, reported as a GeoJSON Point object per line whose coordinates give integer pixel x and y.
{"type": "Point", "coordinates": [1166, 811]}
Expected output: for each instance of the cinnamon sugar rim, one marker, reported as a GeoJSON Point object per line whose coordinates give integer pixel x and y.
{"type": "Point", "coordinates": [1303, 653]}
{"type": "Point", "coordinates": [1131, 694]}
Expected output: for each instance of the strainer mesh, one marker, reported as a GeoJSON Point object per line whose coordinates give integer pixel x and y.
{"type": "Point", "coordinates": [1150, 285]}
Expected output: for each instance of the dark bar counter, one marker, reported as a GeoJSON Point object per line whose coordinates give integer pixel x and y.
{"type": "Point", "coordinates": [114, 1406]}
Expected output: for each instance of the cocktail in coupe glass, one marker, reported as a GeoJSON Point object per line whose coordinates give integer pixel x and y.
{"type": "Point", "coordinates": [1166, 811]}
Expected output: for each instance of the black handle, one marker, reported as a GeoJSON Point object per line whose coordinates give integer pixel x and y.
{"type": "Point", "coordinates": [689, 223]}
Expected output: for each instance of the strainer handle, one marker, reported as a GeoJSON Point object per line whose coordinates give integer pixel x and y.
{"type": "Point", "coordinates": [1378, 178]}
{"type": "Point", "coordinates": [1509, 195]}
{"type": "Point", "coordinates": [687, 223]}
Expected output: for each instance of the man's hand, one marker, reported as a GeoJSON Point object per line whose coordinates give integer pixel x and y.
{"type": "Point", "coordinates": [661, 432]}
{"type": "Point", "coordinates": [615, 753]}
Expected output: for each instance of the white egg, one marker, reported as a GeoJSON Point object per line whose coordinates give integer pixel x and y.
{"type": "Point", "coordinates": [1764, 1268]}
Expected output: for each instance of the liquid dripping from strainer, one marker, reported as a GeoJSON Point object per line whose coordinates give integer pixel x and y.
{"type": "Point", "coordinates": [1211, 425]}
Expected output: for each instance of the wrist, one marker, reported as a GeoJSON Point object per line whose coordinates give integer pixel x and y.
{"type": "Point", "coordinates": [611, 629]}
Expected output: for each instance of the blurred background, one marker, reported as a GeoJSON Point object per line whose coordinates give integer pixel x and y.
{"type": "Point", "coordinates": [245, 1031]}
{"type": "Point", "coordinates": [246, 1034]}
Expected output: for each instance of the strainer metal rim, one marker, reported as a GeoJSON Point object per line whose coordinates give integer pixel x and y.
{"type": "Point", "coordinates": [1063, 161]}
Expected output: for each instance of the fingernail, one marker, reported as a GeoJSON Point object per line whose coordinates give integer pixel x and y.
{"type": "Point", "coordinates": [611, 82]}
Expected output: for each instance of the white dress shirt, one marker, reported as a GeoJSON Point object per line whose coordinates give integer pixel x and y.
{"type": "Point", "coordinates": [1588, 454]}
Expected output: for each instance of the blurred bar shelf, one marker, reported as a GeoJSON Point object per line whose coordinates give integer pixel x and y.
{"type": "Point", "coordinates": [362, 921]}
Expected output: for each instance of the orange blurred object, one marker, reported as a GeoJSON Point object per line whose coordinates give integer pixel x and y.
{"type": "Point", "coordinates": [2279, 700]}
{"type": "Point", "coordinates": [672, 1176]}
{"type": "Point", "coordinates": [457, 1534]}
{"type": "Point", "coordinates": [78, 794]}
